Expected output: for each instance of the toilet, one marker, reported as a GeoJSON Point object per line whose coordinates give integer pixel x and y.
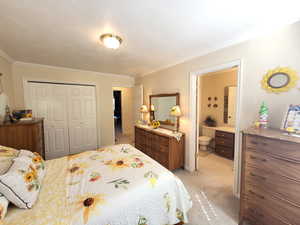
{"type": "Point", "coordinates": [208, 133]}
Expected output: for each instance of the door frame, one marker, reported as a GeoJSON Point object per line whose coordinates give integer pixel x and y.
{"type": "Point", "coordinates": [194, 118]}
{"type": "Point", "coordinates": [60, 82]}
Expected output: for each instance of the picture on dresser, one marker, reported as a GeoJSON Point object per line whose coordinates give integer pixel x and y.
{"type": "Point", "coordinates": [291, 122]}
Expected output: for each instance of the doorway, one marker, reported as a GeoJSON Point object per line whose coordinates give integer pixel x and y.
{"type": "Point", "coordinates": [117, 99]}
{"type": "Point", "coordinates": [194, 125]}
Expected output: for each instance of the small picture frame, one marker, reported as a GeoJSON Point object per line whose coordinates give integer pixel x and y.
{"type": "Point", "coordinates": [291, 120]}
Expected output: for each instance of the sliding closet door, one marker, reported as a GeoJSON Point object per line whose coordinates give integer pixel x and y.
{"type": "Point", "coordinates": [50, 102]}
{"type": "Point", "coordinates": [82, 118]}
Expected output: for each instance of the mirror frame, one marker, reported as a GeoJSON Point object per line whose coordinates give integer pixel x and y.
{"type": "Point", "coordinates": [177, 95]}
{"type": "Point", "coordinates": [292, 80]}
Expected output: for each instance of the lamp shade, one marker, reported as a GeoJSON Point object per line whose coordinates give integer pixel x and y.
{"type": "Point", "coordinates": [143, 109]}
{"type": "Point", "coordinates": [152, 108]}
{"type": "Point", "coordinates": [175, 111]}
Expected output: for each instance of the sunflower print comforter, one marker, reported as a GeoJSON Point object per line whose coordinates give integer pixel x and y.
{"type": "Point", "coordinates": [116, 185]}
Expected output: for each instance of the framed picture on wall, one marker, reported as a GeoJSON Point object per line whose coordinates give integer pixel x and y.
{"type": "Point", "coordinates": [291, 121]}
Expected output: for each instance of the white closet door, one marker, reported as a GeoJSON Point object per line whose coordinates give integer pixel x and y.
{"type": "Point", "coordinates": [82, 118]}
{"type": "Point", "coordinates": [50, 102]}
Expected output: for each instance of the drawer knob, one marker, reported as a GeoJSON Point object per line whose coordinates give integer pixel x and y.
{"type": "Point", "coordinates": [256, 158]}
{"type": "Point", "coordinates": [260, 196]}
{"type": "Point", "coordinates": [259, 176]}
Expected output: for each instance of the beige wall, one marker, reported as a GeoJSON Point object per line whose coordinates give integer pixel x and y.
{"type": "Point", "coordinates": [213, 85]}
{"type": "Point", "coordinates": [7, 83]}
{"type": "Point", "coordinates": [104, 94]}
{"type": "Point", "coordinates": [281, 48]}
{"type": "Point", "coordinates": [127, 109]}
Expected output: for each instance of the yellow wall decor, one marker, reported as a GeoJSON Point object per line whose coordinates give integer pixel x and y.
{"type": "Point", "coordinates": [279, 80]}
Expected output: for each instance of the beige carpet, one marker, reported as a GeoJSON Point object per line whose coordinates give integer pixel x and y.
{"type": "Point", "coordinates": [211, 191]}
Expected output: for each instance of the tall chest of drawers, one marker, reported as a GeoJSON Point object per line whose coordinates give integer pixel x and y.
{"type": "Point", "coordinates": [270, 191]}
{"type": "Point", "coordinates": [165, 149]}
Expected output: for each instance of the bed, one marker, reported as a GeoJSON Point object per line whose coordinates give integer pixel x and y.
{"type": "Point", "coordinates": [116, 185]}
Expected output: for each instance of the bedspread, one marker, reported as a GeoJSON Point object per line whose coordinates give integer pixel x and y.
{"type": "Point", "coordinates": [116, 185]}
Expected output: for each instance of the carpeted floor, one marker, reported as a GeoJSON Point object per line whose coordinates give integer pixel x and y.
{"type": "Point", "coordinates": [211, 191]}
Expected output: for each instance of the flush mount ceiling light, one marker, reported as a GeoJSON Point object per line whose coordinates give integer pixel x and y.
{"type": "Point", "coordinates": [111, 41]}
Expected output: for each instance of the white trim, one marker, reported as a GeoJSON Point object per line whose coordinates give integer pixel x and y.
{"type": "Point", "coordinates": [26, 95]}
{"type": "Point", "coordinates": [5, 56]}
{"type": "Point", "coordinates": [75, 70]}
{"type": "Point", "coordinates": [194, 125]}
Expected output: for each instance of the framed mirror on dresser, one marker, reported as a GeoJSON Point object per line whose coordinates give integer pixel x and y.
{"type": "Point", "coordinates": [160, 108]}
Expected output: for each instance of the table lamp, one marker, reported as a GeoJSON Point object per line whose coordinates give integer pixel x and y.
{"type": "Point", "coordinates": [176, 112]}
{"type": "Point", "coordinates": [143, 110]}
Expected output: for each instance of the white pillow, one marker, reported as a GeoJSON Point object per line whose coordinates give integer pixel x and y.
{"type": "Point", "coordinates": [22, 182]}
{"type": "Point", "coordinates": [3, 206]}
{"type": "Point", "coordinates": [6, 158]}
{"type": "Point", "coordinates": [34, 157]}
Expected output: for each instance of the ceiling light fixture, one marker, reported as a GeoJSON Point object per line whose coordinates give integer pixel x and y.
{"type": "Point", "coordinates": [111, 41]}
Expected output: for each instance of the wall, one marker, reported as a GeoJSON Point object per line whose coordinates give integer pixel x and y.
{"type": "Point", "coordinates": [281, 48]}
{"type": "Point", "coordinates": [213, 85]}
{"type": "Point", "coordinates": [103, 82]}
{"type": "Point", "coordinates": [7, 82]}
{"type": "Point", "coordinates": [127, 110]}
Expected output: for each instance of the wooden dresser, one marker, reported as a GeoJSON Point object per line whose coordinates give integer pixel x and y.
{"type": "Point", "coordinates": [27, 135]}
{"type": "Point", "coordinates": [270, 191]}
{"type": "Point", "coordinates": [225, 144]}
{"type": "Point", "coordinates": [163, 148]}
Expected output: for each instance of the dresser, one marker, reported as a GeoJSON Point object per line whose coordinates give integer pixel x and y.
{"type": "Point", "coordinates": [161, 146]}
{"type": "Point", "coordinates": [270, 190]}
{"type": "Point", "coordinates": [224, 144]}
{"type": "Point", "coordinates": [27, 135]}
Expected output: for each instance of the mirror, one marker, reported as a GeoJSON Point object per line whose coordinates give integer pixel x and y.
{"type": "Point", "coordinates": [160, 106]}
{"type": "Point", "coordinates": [279, 80]}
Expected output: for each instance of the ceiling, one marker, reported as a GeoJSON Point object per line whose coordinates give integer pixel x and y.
{"type": "Point", "coordinates": [156, 33]}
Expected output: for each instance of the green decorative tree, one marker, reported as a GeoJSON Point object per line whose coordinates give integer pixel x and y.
{"type": "Point", "coordinates": [263, 115]}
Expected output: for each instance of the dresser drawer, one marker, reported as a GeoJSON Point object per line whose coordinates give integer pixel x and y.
{"type": "Point", "coordinates": [278, 185]}
{"type": "Point", "coordinates": [273, 207]}
{"type": "Point", "coordinates": [164, 141]}
{"type": "Point", "coordinates": [272, 165]}
{"type": "Point", "coordinates": [225, 142]}
{"type": "Point", "coordinates": [223, 134]}
{"type": "Point", "coordinates": [283, 149]}
{"type": "Point", "coordinates": [225, 151]}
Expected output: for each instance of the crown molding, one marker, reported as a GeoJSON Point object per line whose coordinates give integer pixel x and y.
{"type": "Point", "coordinates": [6, 56]}
{"type": "Point", "coordinates": [74, 70]}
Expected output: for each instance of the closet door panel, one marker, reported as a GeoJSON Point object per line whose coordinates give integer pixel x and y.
{"type": "Point", "coordinates": [82, 119]}
{"type": "Point", "coordinates": [50, 102]}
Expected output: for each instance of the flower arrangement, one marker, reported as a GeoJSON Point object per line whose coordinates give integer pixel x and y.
{"type": "Point", "coordinates": [155, 124]}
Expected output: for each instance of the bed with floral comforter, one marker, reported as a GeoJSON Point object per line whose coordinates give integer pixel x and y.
{"type": "Point", "coordinates": [116, 185]}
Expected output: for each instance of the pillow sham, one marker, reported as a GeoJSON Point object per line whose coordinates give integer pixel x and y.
{"type": "Point", "coordinates": [3, 206]}
{"type": "Point", "coordinates": [6, 158]}
{"type": "Point", "coordinates": [21, 183]}
{"type": "Point", "coordinates": [36, 159]}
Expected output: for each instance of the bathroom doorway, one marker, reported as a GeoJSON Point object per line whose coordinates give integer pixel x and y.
{"type": "Point", "coordinates": [195, 102]}
{"type": "Point", "coordinates": [217, 109]}
{"type": "Point", "coordinates": [215, 150]}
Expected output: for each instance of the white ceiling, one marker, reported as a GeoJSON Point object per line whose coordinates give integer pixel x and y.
{"type": "Point", "coordinates": [156, 33]}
